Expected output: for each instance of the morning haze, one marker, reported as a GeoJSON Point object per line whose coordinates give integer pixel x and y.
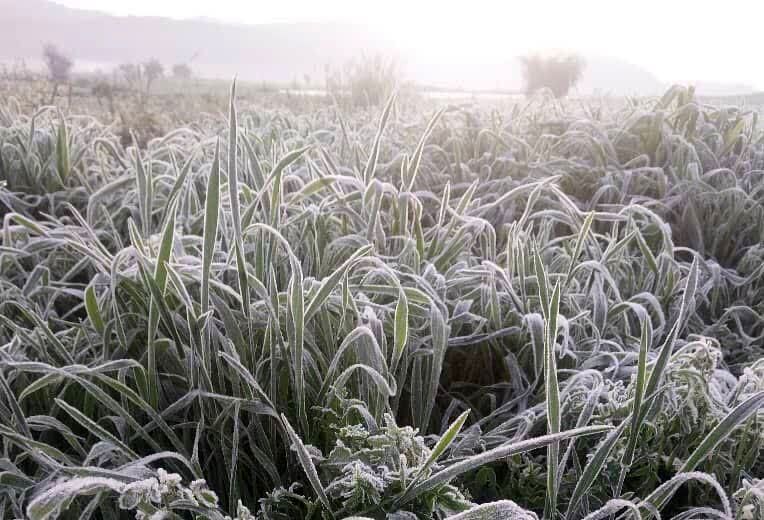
{"type": "Point", "coordinates": [434, 45]}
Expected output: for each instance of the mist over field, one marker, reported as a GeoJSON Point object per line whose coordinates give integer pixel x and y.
{"type": "Point", "coordinates": [287, 51]}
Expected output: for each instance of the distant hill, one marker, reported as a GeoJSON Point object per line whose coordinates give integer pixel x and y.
{"type": "Point", "coordinates": [274, 52]}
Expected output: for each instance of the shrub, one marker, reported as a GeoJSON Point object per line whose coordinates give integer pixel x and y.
{"type": "Point", "coordinates": [181, 71]}
{"type": "Point", "coordinates": [559, 73]}
{"type": "Point", "coordinates": [366, 81]}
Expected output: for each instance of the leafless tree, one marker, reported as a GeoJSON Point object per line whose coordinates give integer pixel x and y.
{"type": "Point", "coordinates": [59, 67]}
{"type": "Point", "coordinates": [152, 71]}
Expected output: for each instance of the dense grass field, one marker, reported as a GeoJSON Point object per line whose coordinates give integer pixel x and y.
{"type": "Point", "coordinates": [296, 309]}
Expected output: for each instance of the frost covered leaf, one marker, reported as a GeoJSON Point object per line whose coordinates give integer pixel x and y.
{"type": "Point", "coordinates": [501, 510]}
{"type": "Point", "coordinates": [57, 499]}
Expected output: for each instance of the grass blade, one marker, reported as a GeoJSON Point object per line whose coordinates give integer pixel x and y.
{"type": "Point", "coordinates": [507, 450]}
{"type": "Point", "coordinates": [552, 392]}
{"type": "Point", "coordinates": [442, 445]}
{"type": "Point", "coordinates": [307, 465]}
{"type": "Point", "coordinates": [211, 213]}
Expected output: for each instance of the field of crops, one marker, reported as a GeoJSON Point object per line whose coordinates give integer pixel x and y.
{"type": "Point", "coordinates": [540, 309]}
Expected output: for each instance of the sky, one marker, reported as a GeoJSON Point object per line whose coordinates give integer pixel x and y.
{"type": "Point", "coordinates": [677, 40]}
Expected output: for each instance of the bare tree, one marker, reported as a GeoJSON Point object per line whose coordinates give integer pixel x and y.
{"type": "Point", "coordinates": [130, 73]}
{"type": "Point", "coordinates": [558, 73]}
{"type": "Point", "coordinates": [59, 67]}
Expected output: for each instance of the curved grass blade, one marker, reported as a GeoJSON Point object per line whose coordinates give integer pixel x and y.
{"type": "Point", "coordinates": [307, 465]}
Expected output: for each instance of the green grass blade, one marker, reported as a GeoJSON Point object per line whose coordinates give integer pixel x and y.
{"type": "Point", "coordinates": [400, 328]}
{"type": "Point", "coordinates": [94, 313]}
{"type": "Point", "coordinates": [552, 392]}
{"type": "Point", "coordinates": [307, 465]}
{"type": "Point", "coordinates": [297, 313]}
{"type": "Point", "coordinates": [580, 241]}
{"type": "Point", "coordinates": [233, 196]}
{"type": "Point", "coordinates": [543, 284]}
{"type": "Point", "coordinates": [721, 431]}
{"type": "Point", "coordinates": [440, 447]}
{"type": "Point", "coordinates": [439, 331]}
{"type": "Point", "coordinates": [211, 213]}
{"type": "Point", "coordinates": [63, 164]}
{"type": "Point", "coordinates": [636, 412]}
{"type": "Point", "coordinates": [371, 162]}
{"type": "Point", "coordinates": [668, 346]}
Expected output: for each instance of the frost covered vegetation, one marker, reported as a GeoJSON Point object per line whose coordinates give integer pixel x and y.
{"type": "Point", "coordinates": [549, 309]}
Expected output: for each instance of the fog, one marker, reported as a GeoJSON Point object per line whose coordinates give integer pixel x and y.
{"type": "Point", "coordinates": [680, 40]}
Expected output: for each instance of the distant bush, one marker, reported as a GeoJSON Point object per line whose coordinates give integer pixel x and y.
{"type": "Point", "coordinates": [559, 73]}
{"type": "Point", "coordinates": [368, 80]}
{"type": "Point", "coordinates": [152, 71]}
{"type": "Point", "coordinates": [181, 71]}
{"type": "Point", "coordinates": [130, 74]}
{"type": "Point", "coordinates": [103, 90]}
{"type": "Point", "coordinates": [140, 77]}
